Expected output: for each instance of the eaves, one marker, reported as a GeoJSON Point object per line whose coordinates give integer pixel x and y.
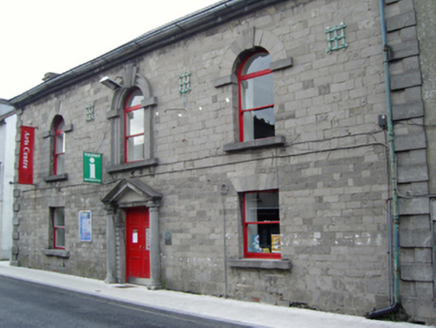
{"type": "Point", "coordinates": [197, 22]}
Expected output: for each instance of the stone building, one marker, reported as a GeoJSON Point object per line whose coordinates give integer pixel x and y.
{"type": "Point", "coordinates": [270, 151]}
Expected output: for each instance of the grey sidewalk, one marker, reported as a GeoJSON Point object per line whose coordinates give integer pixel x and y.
{"type": "Point", "coordinates": [252, 314]}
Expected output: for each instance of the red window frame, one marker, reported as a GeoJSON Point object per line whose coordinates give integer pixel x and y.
{"type": "Point", "coordinates": [247, 253]}
{"type": "Point", "coordinates": [56, 228]}
{"type": "Point", "coordinates": [58, 132]}
{"type": "Point", "coordinates": [126, 136]}
{"type": "Point", "coordinates": [246, 77]}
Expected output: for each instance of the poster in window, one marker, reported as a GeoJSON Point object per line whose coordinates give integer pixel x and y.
{"type": "Point", "coordinates": [255, 245]}
{"type": "Point", "coordinates": [85, 226]}
{"type": "Point", "coordinates": [275, 244]}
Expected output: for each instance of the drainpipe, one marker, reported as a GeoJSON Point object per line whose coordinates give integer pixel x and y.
{"type": "Point", "coordinates": [395, 300]}
{"type": "Point", "coordinates": [390, 262]}
{"type": "Point", "coordinates": [224, 191]}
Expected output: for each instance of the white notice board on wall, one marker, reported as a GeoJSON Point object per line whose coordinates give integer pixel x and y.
{"type": "Point", "coordinates": [85, 226]}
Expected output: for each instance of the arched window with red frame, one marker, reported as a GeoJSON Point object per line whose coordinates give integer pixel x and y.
{"type": "Point", "coordinates": [134, 127]}
{"type": "Point", "coordinates": [256, 97]}
{"type": "Point", "coordinates": [59, 147]}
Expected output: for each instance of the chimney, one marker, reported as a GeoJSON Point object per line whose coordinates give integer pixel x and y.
{"type": "Point", "coordinates": [50, 75]}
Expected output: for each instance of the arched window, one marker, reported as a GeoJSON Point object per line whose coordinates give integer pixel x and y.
{"type": "Point", "coordinates": [256, 97]}
{"type": "Point", "coordinates": [59, 147]}
{"type": "Point", "coordinates": [134, 137]}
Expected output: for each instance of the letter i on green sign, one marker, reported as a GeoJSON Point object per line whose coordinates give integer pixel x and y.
{"type": "Point", "coordinates": [92, 164]}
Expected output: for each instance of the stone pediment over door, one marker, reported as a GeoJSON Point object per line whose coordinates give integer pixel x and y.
{"type": "Point", "coordinates": [131, 193]}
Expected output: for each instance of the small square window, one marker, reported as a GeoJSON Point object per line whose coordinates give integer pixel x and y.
{"type": "Point", "coordinates": [261, 224]}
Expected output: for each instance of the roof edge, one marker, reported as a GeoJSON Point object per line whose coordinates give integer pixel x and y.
{"type": "Point", "coordinates": [204, 19]}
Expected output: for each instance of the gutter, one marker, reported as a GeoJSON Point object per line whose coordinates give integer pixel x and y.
{"type": "Point", "coordinates": [394, 217]}
{"type": "Point", "coordinates": [5, 116]}
{"type": "Point", "coordinates": [6, 110]}
{"type": "Point", "coordinates": [200, 21]}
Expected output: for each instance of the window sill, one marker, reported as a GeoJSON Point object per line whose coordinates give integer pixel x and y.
{"type": "Point", "coordinates": [255, 144]}
{"type": "Point", "coordinates": [57, 253]}
{"type": "Point", "coordinates": [55, 178]}
{"type": "Point", "coordinates": [133, 166]}
{"type": "Point", "coordinates": [261, 264]}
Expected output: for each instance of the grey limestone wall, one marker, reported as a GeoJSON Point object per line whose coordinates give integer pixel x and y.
{"type": "Point", "coordinates": [411, 69]}
{"type": "Point", "coordinates": [330, 167]}
{"type": "Point", "coordinates": [425, 12]}
{"type": "Point", "coordinates": [32, 207]}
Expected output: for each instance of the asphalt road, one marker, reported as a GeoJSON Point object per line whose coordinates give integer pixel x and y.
{"type": "Point", "coordinates": [25, 304]}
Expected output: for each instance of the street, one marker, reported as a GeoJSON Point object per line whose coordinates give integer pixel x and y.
{"type": "Point", "coordinates": [25, 304]}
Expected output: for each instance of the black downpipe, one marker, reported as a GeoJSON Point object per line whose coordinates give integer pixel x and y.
{"type": "Point", "coordinates": [394, 307]}
{"type": "Point", "coordinates": [379, 313]}
{"type": "Point", "coordinates": [392, 218]}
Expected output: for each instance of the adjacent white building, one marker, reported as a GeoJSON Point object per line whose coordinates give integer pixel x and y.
{"type": "Point", "coordinates": [7, 148]}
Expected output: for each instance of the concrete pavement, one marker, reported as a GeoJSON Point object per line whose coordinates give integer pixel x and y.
{"type": "Point", "coordinates": [251, 314]}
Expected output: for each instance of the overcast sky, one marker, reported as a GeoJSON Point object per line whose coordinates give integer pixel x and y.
{"type": "Point", "coordinates": [40, 36]}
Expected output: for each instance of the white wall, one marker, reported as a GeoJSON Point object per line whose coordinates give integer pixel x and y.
{"type": "Point", "coordinates": [7, 149]}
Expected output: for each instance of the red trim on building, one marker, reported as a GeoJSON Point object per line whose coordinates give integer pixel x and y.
{"type": "Point", "coordinates": [56, 154]}
{"type": "Point", "coordinates": [25, 167]}
{"type": "Point", "coordinates": [246, 77]}
{"type": "Point", "coordinates": [248, 254]}
{"type": "Point", "coordinates": [126, 137]}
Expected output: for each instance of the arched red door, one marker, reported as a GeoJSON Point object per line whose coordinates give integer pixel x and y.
{"type": "Point", "coordinates": [137, 243]}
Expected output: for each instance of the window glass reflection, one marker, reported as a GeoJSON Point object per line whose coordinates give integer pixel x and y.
{"type": "Point", "coordinates": [256, 63]}
{"type": "Point", "coordinates": [60, 237]}
{"type": "Point", "coordinates": [135, 148]}
{"type": "Point", "coordinates": [59, 216]}
{"type": "Point", "coordinates": [60, 164]}
{"type": "Point", "coordinates": [261, 207]}
{"type": "Point", "coordinates": [60, 143]}
{"type": "Point", "coordinates": [257, 92]}
{"type": "Point", "coordinates": [259, 124]}
{"type": "Point", "coordinates": [261, 219]}
{"type": "Point", "coordinates": [60, 125]}
{"type": "Point", "coordinates": [135, 99]}
{"type": "Point", "coordinates": [135, 122]}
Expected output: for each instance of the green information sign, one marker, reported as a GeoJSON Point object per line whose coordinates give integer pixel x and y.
{"type": "Point", "coordinates": [92, 164]}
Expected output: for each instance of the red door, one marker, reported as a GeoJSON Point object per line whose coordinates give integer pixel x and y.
{"type": "Point", "coordinates": [137, 243]}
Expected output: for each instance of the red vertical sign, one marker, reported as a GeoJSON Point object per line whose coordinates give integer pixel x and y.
{"type": "Point", "coordinates": [25, 168]}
